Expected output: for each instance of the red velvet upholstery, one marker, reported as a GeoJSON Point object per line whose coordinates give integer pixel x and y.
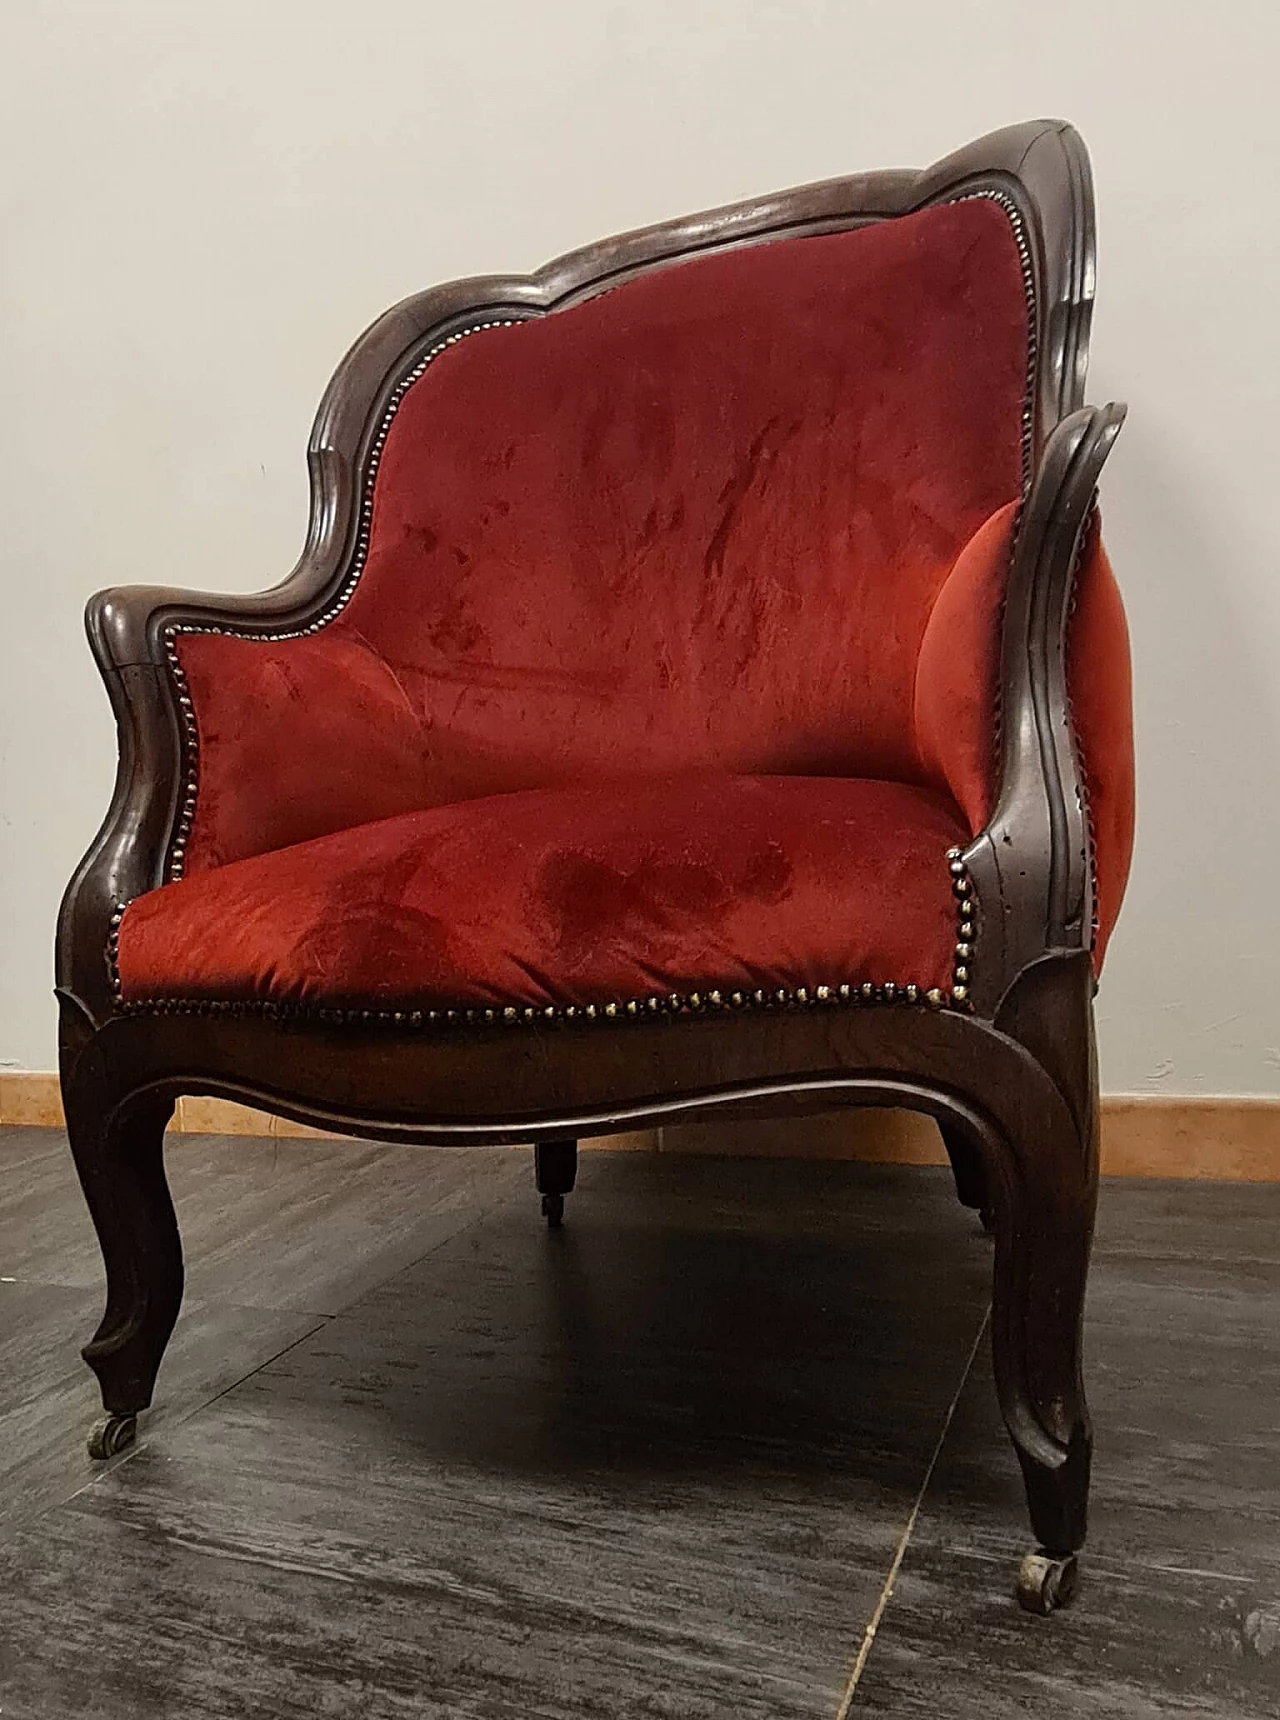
{"type": "Point", "coordinates": [718, 546]}
{"type": "Point", "coordinates": [957, 688]}
{"type": "Point", "coordinates": [957, 699]}
{"type": "Point", "coordinates": [697, 522]}
{"type": "Point", "coordinates": [578, 895]}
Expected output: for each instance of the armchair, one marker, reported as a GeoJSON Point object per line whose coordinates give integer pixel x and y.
{"type": "Point", "coordinates": [702, 690]}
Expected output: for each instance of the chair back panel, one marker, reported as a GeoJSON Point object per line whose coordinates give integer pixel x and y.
{"type": "Point", "coordinates": [701, 519]}
{"type": "Point", "coordinates": [696, 521]}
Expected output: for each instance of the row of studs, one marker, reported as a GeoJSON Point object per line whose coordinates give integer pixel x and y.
{"type": "Point", "coordinates": [1082, 764]}
{"type": "Point", "coordinates": [511, 1015]}
{"type": "Point", "coordinates": [113, 949]}
{"type": "Point", "coordinates": [186, 707]}
{"type": "Point", "coordinates": [1018, 226]}
{"type": "Point", "coordinates": [966, 928]}
{"type": "Point", "coordinates": [186, 814]}
{"type": "Point", "coordinates": [629, 1009]}
{"type": "Point", "coordinates": [1016, 223]}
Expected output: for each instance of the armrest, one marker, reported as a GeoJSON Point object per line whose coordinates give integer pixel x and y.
{"type": "Point", "coordinates": [1033, 862]}
{"type": "Point", "coordinates": [126, 628]}
{"type": "Point", "coordinates": [291, 738]}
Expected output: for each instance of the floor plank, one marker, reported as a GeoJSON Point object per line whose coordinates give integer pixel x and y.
{"type": "Point", "coordinates": [278, 1234]}
{"type": "Point", "coordinates": [1179, 1609]}
{"type": "Point", "coordinates": [1200, 1221]}
{"type": "Point", "coordinates": [656, 1464]}
{"type": "Point", "coordinates": [295, 1224]}
{"type": "Point", "coordinates": [412, 1455]}
{"type": "Point", "coordinates": [48, 1398]}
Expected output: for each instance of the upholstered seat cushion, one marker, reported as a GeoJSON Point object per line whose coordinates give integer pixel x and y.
{"type": "Point", "coordinates": [631, 888]}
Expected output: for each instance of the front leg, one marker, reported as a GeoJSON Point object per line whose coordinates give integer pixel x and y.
{"type": "Point", "coordinates": [1042, 1181]}
{"type": "Point", "coordinates": [118, 1147]}
{"type": "Point", "coordinates": [1044, 1229]}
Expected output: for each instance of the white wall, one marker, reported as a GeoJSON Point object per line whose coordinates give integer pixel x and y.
{"type": "Point", "coordinates": [204, 202]}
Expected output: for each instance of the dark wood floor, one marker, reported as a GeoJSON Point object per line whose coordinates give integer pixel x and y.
{"type": "Point", "coordinates": [413, 1456]}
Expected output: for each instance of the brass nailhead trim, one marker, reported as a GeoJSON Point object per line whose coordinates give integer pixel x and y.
{"type": "Point", "coordinates": [861, 996]}
{"type": "Point", "coordinates": [113, 947]}
{"type": "Point", "coordinates": [966, 929]}
{"type": "Point", "coordinates": [692, 1003]}
{"type": "Point", "coordinates": [1016, 222]}
{"type": "Point", "coordinates": [1014, 215]}
{"type": "Point", "coordinates": [1082, 771]}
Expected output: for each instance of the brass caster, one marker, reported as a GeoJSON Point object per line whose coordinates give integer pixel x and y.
{"type": "Point", "coordinates": [1046, 1583]}
{"type": "Point", "coordinates": [553, 1210]}
{"type": "Point", "coordinates": [112, 1434]}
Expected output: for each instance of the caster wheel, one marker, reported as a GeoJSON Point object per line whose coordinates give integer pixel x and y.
{"type": "Point", "coordinates": [553, 1210]}
{"type": "Point", "coordinates": [987, 1219]}
{"type": "Point", "coordinates": [112, 1434]}
{"type": "Point", "coordinates": [1046, 1583]}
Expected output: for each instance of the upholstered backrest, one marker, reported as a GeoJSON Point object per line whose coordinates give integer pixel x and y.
{"type": "Point", "coordinates": [697, 520]}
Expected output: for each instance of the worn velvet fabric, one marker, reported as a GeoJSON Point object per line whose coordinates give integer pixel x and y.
{"type": "Point", "coordinates": [578, 895]}
{"type": "Point", "coordinates": [696, 522]}
{"type": "Point", "coordinates": [745, 518]}
{"type": "Point", "coordinates": [955, 708]}
{"type": "Point", "coordinates": [958, 689]}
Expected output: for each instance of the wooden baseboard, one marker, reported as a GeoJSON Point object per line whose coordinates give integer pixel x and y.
{"type": "Point", "coordinates": [1215, 1139]}
{"type": "Point", "coordinates": [1219, 1139]}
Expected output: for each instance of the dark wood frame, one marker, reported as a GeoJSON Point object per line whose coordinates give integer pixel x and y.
{"type": "Point", "coordinates": [1009, 1077]}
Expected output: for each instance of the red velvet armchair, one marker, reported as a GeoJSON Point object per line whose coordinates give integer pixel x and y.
{"type": "Point", "coordinates": [703, 689]}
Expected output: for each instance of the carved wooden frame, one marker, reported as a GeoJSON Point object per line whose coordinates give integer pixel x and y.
{"type": "Point", "coordinates": [1010, 1078]}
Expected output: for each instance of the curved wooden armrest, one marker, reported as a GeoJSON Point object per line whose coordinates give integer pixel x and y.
{"type": "Point", "coordinates": [126, 858]}
{"type": "Point", "coordinates": [1031, 864]}
{"type": "Point", "coordinates": [126, 624]}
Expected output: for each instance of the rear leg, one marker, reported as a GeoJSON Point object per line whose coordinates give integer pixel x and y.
{"type": "Point", "coordinates": [555, 1168]}
{"type": "Point", "coordinates": [971, 1180]}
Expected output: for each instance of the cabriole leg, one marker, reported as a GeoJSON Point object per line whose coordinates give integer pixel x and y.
{"type": "Point", "coordinates": [119, 1155]}
{"type": "Point", "coordinates": [1044, 1211]}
